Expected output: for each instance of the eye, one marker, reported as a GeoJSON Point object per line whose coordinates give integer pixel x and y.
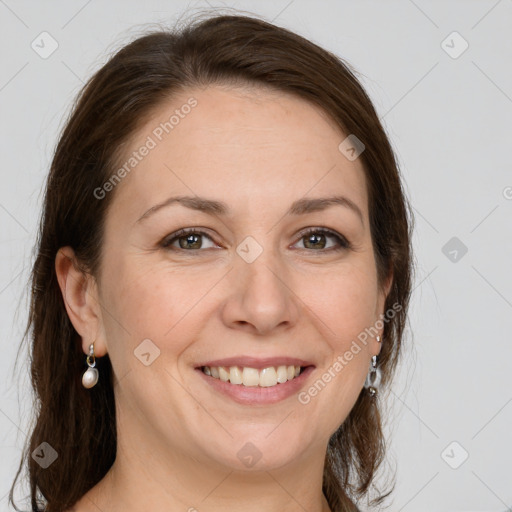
{"type": "Point", "coordinates": [318, 239]}
{"type": "Point", "coordinates": [187, 239]}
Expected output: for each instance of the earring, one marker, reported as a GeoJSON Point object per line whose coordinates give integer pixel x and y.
{"type": "Point", "coordinates": [90, 377]}
{"type": "Point", "coordinates": [374, 376]}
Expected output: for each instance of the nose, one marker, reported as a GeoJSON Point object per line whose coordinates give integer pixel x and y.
{"type": "Point", "coordinates": [261, 297]}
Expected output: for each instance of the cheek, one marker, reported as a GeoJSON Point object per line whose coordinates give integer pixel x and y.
{"type": "Point", "coordinates": [152, 302]}
{"type": "Point", "coordinates": [148, 301]}
{"type": "Point", "coordinates": [344, 300]}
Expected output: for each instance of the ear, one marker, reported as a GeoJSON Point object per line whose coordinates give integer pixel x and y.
{"type": "Point", "coordinates": [381, 302]}
{"type": "Point", "coordinates": [80, 293]}
{"type": "Point", "coordinates": [387, 288]}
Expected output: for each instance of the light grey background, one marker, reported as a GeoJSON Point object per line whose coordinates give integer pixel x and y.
{"type": "Point", "coordinates": [449, 121]}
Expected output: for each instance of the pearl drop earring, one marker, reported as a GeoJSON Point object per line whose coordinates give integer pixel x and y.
{"type": "Point", "coordinates": [91, 375]}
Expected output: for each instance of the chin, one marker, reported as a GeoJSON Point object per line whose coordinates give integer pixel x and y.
{"type": "Point", "coordinates": [261, 452]}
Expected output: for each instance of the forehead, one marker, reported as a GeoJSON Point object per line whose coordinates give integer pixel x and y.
{"type": "Point", "coordinates": [247, 146]}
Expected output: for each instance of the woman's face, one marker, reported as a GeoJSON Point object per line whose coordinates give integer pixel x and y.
{"type": "Point", "coordinates": [256, 283]}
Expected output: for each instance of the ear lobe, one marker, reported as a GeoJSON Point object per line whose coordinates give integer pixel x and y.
{"type": "Point", "coordinates": [79, 293]}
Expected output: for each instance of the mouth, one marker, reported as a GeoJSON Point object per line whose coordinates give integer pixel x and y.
{"type": "Point", "coordinates": [252, 381]}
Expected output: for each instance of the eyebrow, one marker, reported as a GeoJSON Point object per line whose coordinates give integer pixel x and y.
{"type": "Point", "coordinates": [299, 207]}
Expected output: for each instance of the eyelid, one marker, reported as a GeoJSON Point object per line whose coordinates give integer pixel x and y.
{"type": "Point", "coordinates": [168, 239]}
{"type": "Point", "coordinates": [344, 243]}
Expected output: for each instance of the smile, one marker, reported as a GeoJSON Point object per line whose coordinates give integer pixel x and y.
{"type": "Point", "coordinates": [261, 386]}
{"type": "Point", "coordinates": [246, 376]}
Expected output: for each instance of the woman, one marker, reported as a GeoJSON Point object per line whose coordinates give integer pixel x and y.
{"type": "Point", "coordinates": [222, 281]}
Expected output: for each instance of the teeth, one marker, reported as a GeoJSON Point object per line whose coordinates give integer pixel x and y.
{"type": "Point", "coordinates": [268, 377]}
{"type": "Point", "coordinates": [250, 377]}
{"type": "Point", "coordinates": [223, 374]}
{"type": "Point", "coordinates": [282, 374]}
{"type": "Point", "coordinates": [235, 375]}
{"type": "Point", "coordinates": [264, 378]}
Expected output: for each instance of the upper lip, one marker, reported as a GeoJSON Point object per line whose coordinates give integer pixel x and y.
{"type": "Point", "coordinates": [257, 362]}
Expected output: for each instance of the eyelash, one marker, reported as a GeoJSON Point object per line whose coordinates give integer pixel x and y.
{"type": "Point", "coordinates": [343, 243]}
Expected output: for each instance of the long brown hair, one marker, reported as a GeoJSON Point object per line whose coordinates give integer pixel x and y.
{"type": "Point", "coordinates": [80, 424]}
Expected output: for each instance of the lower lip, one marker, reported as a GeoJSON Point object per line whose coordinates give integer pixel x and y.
{"type": "Point", "coordinates": [256, 395]}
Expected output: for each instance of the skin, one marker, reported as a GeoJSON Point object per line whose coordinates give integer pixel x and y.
{"type": "Point", "coordinates": [258, 151]}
